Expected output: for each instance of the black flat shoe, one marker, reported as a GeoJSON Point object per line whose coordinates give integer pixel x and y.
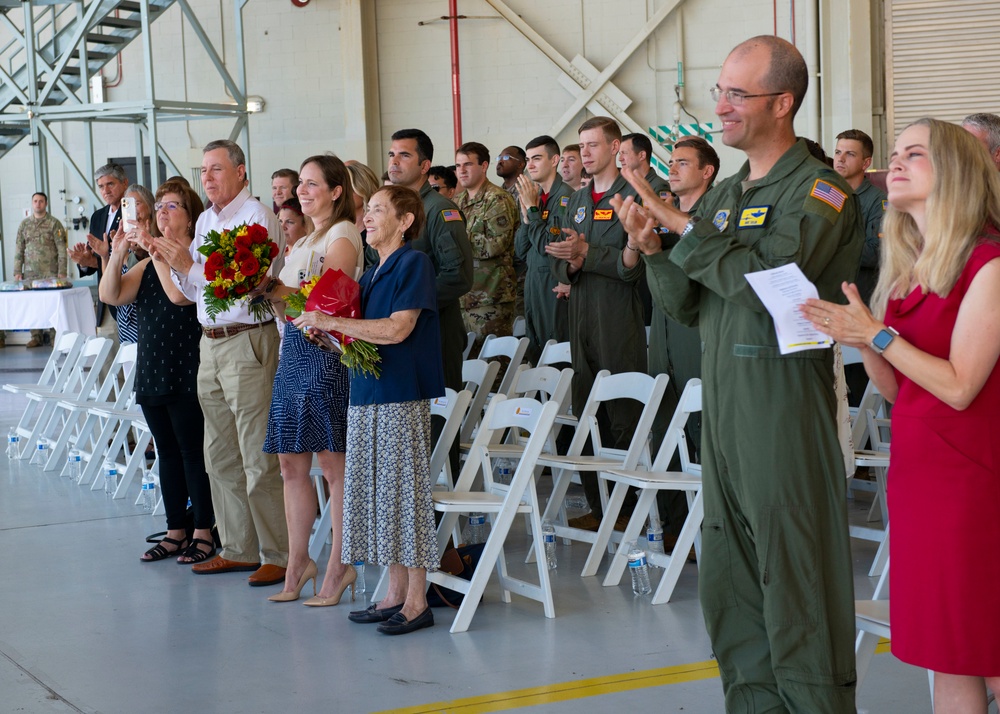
{"type": "Point", "coordinates": [158, 552]}
{"type": "Point", "coordinates": [399, 625]}
{"type": "Point", "coordinates": [370, 615]}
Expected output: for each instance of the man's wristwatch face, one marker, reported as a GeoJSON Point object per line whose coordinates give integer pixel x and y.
{"type": "Point", "coordinates": [532, 209]}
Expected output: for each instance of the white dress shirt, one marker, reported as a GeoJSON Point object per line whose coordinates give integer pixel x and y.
{"type": "Point", "coordinates": [242, 209]}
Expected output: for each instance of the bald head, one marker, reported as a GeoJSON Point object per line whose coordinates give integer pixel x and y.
{"type": "Point", "coordinates": [787, 71]}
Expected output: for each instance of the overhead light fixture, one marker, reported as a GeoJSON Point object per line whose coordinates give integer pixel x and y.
{"type": "Point", "coordinates": [255, 104]}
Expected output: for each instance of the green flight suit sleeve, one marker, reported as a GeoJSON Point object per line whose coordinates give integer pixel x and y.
{"type": "Point", "coordinates": [560, 268]}
{"type": "Point", "coordinates": [606, 260]}
{"type": "Point", "coordinates": [453, 253]}
{"type": "Point", "coordinates": [672, 291]}
{"type": "Point", "coordinates": [719, 261]}
{"type": "Point", "coordinates": [873, 229]}
{"type": "Point", "coordinates": [532, 236]}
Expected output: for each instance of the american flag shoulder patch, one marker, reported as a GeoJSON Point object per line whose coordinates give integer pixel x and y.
{"type": "Point", "coordinates": [828, 194]}
{"type": "Point", "coordinates": [451, 214]}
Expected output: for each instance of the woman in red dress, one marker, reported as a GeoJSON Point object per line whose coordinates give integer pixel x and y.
{"type": "Point", "coordinates": [932, 351]}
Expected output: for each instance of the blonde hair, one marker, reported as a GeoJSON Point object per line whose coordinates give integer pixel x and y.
{"type": "Point", "coordinates": [363, 179]}
{"type": "Point", "coordinates": [964, 196]}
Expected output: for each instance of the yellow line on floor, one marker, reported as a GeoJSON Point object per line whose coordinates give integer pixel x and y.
{"type": "Point", "coordinates": [579, 689]}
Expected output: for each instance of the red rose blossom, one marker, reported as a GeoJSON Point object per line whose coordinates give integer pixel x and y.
{"type": "Point", "coordinates": [250, 266]}
{"type": "Point", "coordinates": [220, 292]}
{"type": "Point", "coordinates": [257, 233]}
{"type": "Point", "coordinates": [228, 273]}
{"type": "Point", "coordinates": [273, 250]}
{"type": "Point", "coordinates": [243, 242]}
{"type": "Point", "coordinates": [242, 254]}
{"type": "Point", "coordinates": [214, 263]}
{"type": "Point", "coordinates": [241, 289]}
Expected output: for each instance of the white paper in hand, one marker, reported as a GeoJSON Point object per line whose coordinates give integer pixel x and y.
{"type": "Point", "coordinates": [783, 290]}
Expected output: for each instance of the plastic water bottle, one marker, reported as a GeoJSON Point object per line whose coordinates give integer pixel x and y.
{"type": "Point", "coordinates": [41, 454]}
{"type": "Point", "coordinates": [359, 585]}
{"type": "Point", "coordinates": [639, 570]}
{"type": "Point", "coordinates": [504, 471]}
{"type": "Point", "coordinates": [549, 538]}
{"type": "Point", "coordinates": [475, 530]}
{"type": "Point", "coordinates": [73, 464]}
{"type": "Point", "coordinates": [13, 444]}
{"type": "Point", "coordinates": [654, 538]}
{"type": "Point", "coordinates": [576, 500]}
{"type": "Point", "coordinates": [148, 492]}
{"type": "Point", "coordinates": [110, 478]}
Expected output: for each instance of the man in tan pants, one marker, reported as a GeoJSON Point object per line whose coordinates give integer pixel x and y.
{"type": "Point", "coordinates": [239, 357]}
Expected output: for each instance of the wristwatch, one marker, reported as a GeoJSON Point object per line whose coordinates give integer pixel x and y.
{"type": "Point", "coordinates": [532, 209]}
{"type": "Point", "coordinates": [882, 340]}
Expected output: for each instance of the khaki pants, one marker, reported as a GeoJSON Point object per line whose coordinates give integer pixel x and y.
{"type": "Point", "coordinates": [234, 387]}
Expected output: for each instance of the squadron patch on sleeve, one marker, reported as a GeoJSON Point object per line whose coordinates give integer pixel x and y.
{"type": "Point", "coordinates": [581, 214]}
{"type": "Point", "coordinates": [721, 219]}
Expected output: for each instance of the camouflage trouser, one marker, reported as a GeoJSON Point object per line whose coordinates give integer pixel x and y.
{"type": "Point", "coordinates": [496, 319]}
{"type": "Point", "coordinates": [521, 270]}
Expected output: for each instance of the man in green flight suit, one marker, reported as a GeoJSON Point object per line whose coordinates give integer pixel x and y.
{"type": "Point", "coordinates": [606, 329]}
{"type": "Point", "coordinates": [443, 239]}
{"type": "Point", "coordinates": [542, 198]}
{"type": "Point", "coordinates": [776, 580]}
{"type": "Point", "coordinates": [851, 158]}
{"type": "Point", "coordinates": [40, 252]}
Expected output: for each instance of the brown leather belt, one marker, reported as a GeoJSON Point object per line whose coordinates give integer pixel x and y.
{"type": "Point", "coordinates": [215, 333]}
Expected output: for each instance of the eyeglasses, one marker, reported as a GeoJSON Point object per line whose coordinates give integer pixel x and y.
{"type": "Point", "coordinates": [435, 188]}
{"type": "Point", "coordinates": [507, 157]}
{"type": "Point", "coordinates": [736, 98]}
{"type": "Point", "coordinates": [169, 205]}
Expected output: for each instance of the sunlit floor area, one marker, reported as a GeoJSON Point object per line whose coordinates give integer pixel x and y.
{"type": "Point", "coordinates": [86, 627]}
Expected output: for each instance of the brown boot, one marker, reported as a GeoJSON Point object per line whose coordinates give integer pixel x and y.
{"type": "Point", "coordinates": [34, 342]}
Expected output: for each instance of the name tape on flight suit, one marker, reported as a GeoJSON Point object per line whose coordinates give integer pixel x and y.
{"type": "Point", "coordinates": [603, 214]}
{"type": "Point", "coordinates": [753, 217]}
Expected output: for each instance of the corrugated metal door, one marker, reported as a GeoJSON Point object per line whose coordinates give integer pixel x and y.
{"type": "Point", "coordinates": [942, 59]}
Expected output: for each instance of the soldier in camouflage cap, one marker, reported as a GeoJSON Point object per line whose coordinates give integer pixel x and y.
{"type": "Point", "coordinates": [40, 251]}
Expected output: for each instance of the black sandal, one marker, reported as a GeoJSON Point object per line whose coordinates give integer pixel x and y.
{"type": "Point", "coordinates": [196, 554]}
{"type": "Point", "coordinates": [158, 552]}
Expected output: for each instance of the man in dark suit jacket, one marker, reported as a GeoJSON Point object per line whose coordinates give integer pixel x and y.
{"type": "Point", "coordinates": [111, 184]}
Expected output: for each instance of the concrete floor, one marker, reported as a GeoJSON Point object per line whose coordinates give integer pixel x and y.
{"type": "Point", "coordinates": [86, 627]}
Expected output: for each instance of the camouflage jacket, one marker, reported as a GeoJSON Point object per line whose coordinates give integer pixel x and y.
{"type": "Point", "coordinates": [40, 251]}
{"type": "Point", "coordinates": [491, 220]}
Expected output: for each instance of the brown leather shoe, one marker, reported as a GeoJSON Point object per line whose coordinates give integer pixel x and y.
{"type": "Point", "coordinates": [267, 574]}
{"type": "Point", "coordinates": [33, 342]}
{"type": "Point", "coordinates": [221, 565]}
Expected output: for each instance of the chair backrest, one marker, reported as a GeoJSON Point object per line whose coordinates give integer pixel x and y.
{"type": "Point", "coordinates": [544, 384]}
{"type": "Point", "coordinates": [87, 368]}
{"type": "Point", "coordinates": [607, 387]}
{"type": "Point", "coordinates": [674, 440]}
{"type": "Point", "coordinates": [879, 431]}
{"type": "Point", "coordinates": [478, 376]}
{"type": "Point", "coordinates": [555, 353]}
{"type": "Point", "coordinates": [59, 366]}
{"type": "Point", "coordinates": [118, 383]}
{"type": "Point", "coordinates": [871, 399]}
{"type": "Point", "coordinates": [470, 340]}
{"type": "Point", "coordinates": [513, 348]}
{"type": "Point", "coordinates": [524, 414]}
{"type": "Point", "coordinates": [520, 327]}
{"type": "Point", "coordinates": [452, 407]}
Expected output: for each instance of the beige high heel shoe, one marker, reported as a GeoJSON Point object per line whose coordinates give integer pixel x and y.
{"type": "Point", "coordinates": [348, 579]}
{"type": "Point", "coordinates": [308, 574]}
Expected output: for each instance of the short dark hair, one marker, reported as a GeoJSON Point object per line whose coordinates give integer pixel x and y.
{"type": "Point", "coordinates": [640, 142]}
{"type": "Point", "coordinates": [446, 174]}
{"type": "Point", "coordinates": [288, 174]}
{"type": "Point", "coordinates": [236, 155]}
{"type": "Point", "coordinates": [612, 132]}
{"type": "Point", "coordinates": [519, 152]}
{"type": "Point", "coordinates": [425, 147]}
{"type": "Point", "coordinates": [574, 148]}
{"type": "Point", "coordinates": [293, 205]}
{"type": "Point", "coordinates": [867, 146]}
{"type": "Point", "coordinates": [40, 193]}
{"type": "Point", "coordinates": [817, 151]}
{"type": "Point", "coordinates": [551, 147]}
{"type": "Point", "coordinates": [787, 72]}
{"type": "Point", "coordinates": [706, 154]}
{"type": "Point", "coordinates": [405, 200]}
{"type": "Point", "coordinates": [474, 148]}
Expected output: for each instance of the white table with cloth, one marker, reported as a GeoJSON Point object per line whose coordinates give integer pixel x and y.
{"type": "Point", "coordinates": [66, 310]}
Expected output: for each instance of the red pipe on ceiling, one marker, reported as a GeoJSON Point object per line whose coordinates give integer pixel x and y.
{"type": "Point", "coordinates": [456, 87]}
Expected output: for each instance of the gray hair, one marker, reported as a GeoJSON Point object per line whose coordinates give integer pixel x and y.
{"type": "Point", "coordinates": [236, 155]}
{"type": "Point", "coordinates": [142, 194]}
{"type": "Point", "coordinates": [989, 124]}
{"type": "Point", "coordinates": [111, 170]}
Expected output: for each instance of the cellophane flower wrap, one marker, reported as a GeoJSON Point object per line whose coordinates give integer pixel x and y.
{"type": "Point", "coordinates": [237, 259]}
{"type": "Point", "coordinates": [338, 295]}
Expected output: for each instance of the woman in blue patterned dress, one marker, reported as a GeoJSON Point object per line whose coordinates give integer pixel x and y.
{"type": "Point", "coordinates": [388, 512]}
{"type": "Point", "coordinates": [309, 403]}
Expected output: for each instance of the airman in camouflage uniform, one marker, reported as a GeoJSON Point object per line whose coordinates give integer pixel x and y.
{"type": "Point", "coordinates": [40, 251]}
{"type": "Point", "coordinates": [491, 220]}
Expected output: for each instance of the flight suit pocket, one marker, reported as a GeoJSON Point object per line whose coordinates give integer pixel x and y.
{"type": "Point", "coordinates": [715, 571]}
{"type": "Point", "coordinates": [790, 558]}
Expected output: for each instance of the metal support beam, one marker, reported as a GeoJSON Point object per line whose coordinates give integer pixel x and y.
{"type": "Point", "coordinates": [84, 25]}
{"type": "Point", "coordinates": [238, 95]}
{"type": "Point", "coordinates": [147, 46]}
{"type": "Point", "coordinates": [241, 73]}
{"type": "Point", "coordinates": [140, 169]}
{"type": "Point", "coordinates": [85, 181]}
{"type": "Point", "coordinates": [171, 165]}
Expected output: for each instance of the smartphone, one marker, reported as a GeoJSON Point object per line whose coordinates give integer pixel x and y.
{"type": "Point", "coordinates": [128, 213]}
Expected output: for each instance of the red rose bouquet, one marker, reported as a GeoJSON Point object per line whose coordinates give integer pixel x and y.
{"type": "Point", "coordinates": [337, 295]}
{"type": "Point", "coordinates": [237, 261]}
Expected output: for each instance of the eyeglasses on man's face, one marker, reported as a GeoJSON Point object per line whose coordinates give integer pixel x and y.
{"type": "Point", "coordinates": [736, 98]}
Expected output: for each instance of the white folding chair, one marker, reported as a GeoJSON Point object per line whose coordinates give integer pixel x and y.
{"type": "Point", "coordinates": [649, 483]}
{"type": "Point", "coordinates": [513, 348]}
{"type": "Point", "coordinates": [452, 407]}
{"type": "Point", "coordinates": [608, 387]}
{"type": "Point", "coordinates": [502, 502]}
{"type": "Point", "coordinates": [114, 393]}
{"type": "Point", "coordinates": [57, 369]}
{"type": "Point", "coordinates": [470, 340]}
{"type": "Point", "coordinates": [479, 376]}
{"type": "Point", "coordinates": [520, 327]}
{"type": "Point", "coordinates": [871, 618]}
{"type": "Point", "coordinates": [37, 422]}
{"type": "Point", "coordinates": [554, 353]}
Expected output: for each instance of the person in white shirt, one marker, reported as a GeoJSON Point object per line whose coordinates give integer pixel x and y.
{"type": "Point", "coordinates": [239, 357]}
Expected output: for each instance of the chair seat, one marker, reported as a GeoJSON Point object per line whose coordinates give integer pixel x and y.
{"type": "Point", "coordinates": [567, 420]}
{"type": "Point", "coordinates": [465, 501]}
{"type": "Point", "coordinates": [577, 463]}
{"type": "Point", "coordinates": [30, 387]}
{"type": "Point", "coordinates": [666, 480]}
{"type": "Point", "coordinates": [105, 411]}
{"type": "Point", "coordinates": [874, 459]}
{"type": "Point", "coordinates": [874, 613]}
